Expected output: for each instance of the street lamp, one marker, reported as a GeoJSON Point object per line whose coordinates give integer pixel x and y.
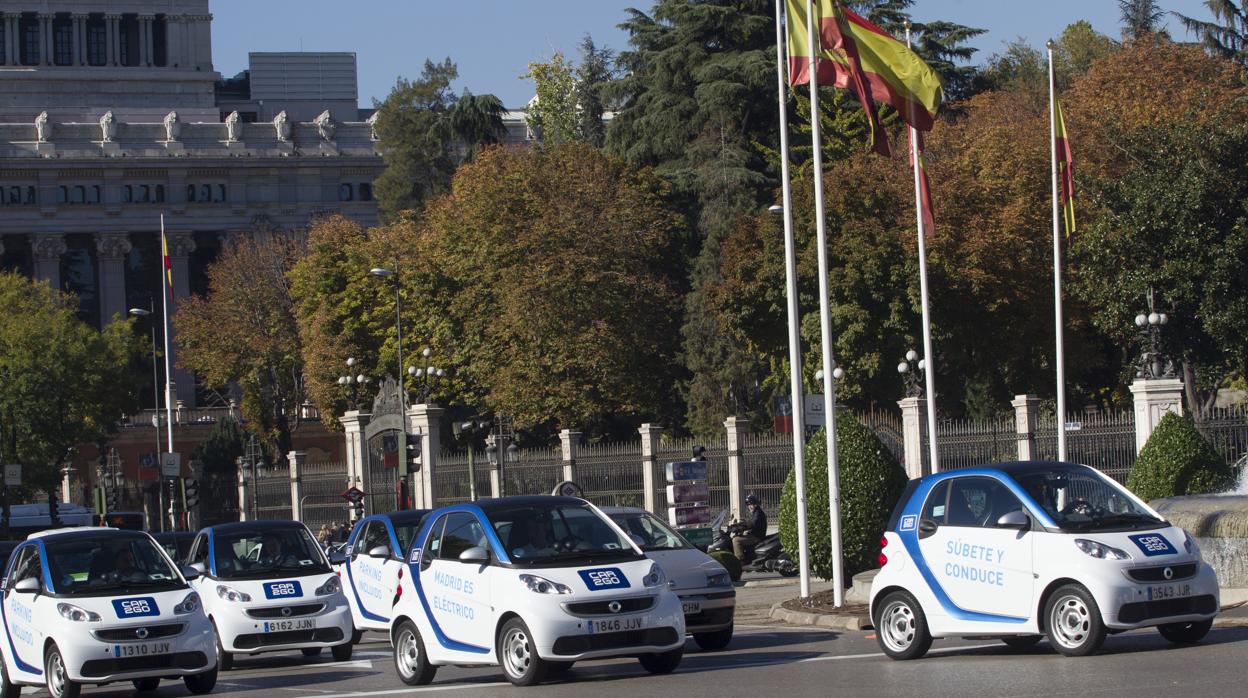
{"type": "Point", "coordinates": [251, 465]}
{"type": "Point", "coordinates": [422, 376]}
{"type": "Point", "coordinates": [355, 382]}
{"type": "Point", "coordinates": [383, 273]}
{"type": "Point", "coordinates": [469, 430]}
{"type": "Point", "coordinates": [913, 382]}
{"type": "Point", "coordinates": [1153, 363]}
{"type": "Point", "coordinates": [139, 312]}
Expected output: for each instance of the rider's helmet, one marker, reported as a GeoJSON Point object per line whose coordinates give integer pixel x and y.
{"type": "Point", "coordinates": [751, 498]}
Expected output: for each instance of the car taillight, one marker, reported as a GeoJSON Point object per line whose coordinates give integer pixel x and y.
{"type": "Point", "coordinates": [883, 542]}
{"type": "Point", "coordinates": [883, 559]}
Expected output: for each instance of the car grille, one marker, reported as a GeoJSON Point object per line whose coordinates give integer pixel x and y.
{"type": "Point", "coordinates": [154, 632]}
{"type": "Point", "coordinates": [577, 644]}
{"type": "Point", "coordinates": [1147, 610]}
{"type": "Point", "coordinates": [306, 609]}
{"type": "Point", "coordinates": [109, 667]}
{"type": "Point", "coordinates": [1158, 574]}
{"type": "Point", "coordinates": [603, 608]}
{"type": "Point", "coordinates": [289, 637]}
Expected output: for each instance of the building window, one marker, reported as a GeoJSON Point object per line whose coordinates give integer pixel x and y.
{"type": "Point", "coordinates": [160, 41]}
{"type": "Point", "coordinates": [63, 40]}
{"type": "Point", "coordinates": [221, 193]}
{"type": "Point", "coordinates": [366, 192]}
{"type": "Point", "coordinates": [62, 194]}
{"type": "Point", "coordinates": [15, 195]}
{"type": "Point", "coordinates": [129, 28]}
{"type": "Point", "coordinates": [127, 194]}
{"type": "Point", "coordinates": [160, 193]}
{"type": "Point", "coordinates": [79, 195]}
{"type": "Point", "coordinates": [204, 193]}
{"type": "Point", "coordinates": [4, 48]}
{"type": "Point", "coordinates": [97, 40]}
{"type": "Point", "coordinates": [95, 194]}
{"type": "Point", "coordinates": [28, 28]}
{"type": "Point", "coordinates": [344, 192]}
{"type": "Point", "coordinates": [190, 193]}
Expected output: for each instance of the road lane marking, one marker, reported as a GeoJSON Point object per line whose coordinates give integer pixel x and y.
{"type": "Point", "coordinates": [414, 689]}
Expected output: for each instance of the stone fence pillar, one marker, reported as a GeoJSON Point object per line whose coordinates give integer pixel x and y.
{"type": "Point", "coordinates": [737, 428]}
{"type": "Point", "coordinates": [570, 442]}
{"type": "Point", "coordinates": [353, 423]}
{"type": "Point", "coordinates": [913, 418]}
{"type": "Point", "coordinates": [650, 478]}
{"type": "Point", "coordinates": [496, 478]}
{"type": "Point", "coordinates": [1025, 420]}
{"type": "Point", "coordinates": [296, 460]}
{"type": "Point", "coordinates": [425, 421]}
{"type": "Point", "coordinates": [1153, 399]}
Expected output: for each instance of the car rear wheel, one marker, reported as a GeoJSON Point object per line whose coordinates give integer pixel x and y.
{"type": "Point", "coordinates": [1185, 633]}
{"type": "Point", "coordinates": [517, 653]}
{"type": "Point", "coordinates": [1073, 621]}
{"type": "Point", "coordinates": [1022, 642]}
{"type": "Point", "coordinates": [311, 651]}
{"type": "Point", "coordinates": [662, 662]}
{"type": "Point", "coordinates": [714, 640]}
{"type": "Point", "coordinates": [146, 685]}
{"type": "Point", "coordinates": [58, 681]}
{"type": "Point", "coordinates": [901, 627]}
{"type": "Point", "coordinates": [410, 660]}
{"type": "Point", "coordinates": [8, 689]}
{"type": "Point", "coordinates": [342, 652]}
{"type": "Point", "coordinates": [200, 684]}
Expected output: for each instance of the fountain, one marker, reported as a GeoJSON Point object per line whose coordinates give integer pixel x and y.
{"type": "Point", "coordinates": [1220, 524]}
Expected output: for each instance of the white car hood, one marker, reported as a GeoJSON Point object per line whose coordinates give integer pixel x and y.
{"type": "Point", "coordinates": [687, 567]}
{"type": "Point", "coordinates": [136, 608]}
{"type": "Point", "coordinates": [607, 580]}
{"type": "Point", "coordinates": [292, 588]}
{"type": "Point", "coordinates": [1161, 546]}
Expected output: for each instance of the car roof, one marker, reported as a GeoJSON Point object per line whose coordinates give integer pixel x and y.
{"type": "Point", "coordinates": [1011, 468]}
{"type": "Point", "coordinates": [83, 531]}
{"type": "Point", "coordinates": [405, 515]}
{"type": "Point", "coordinates": [253, 525]}
{"type": "Point", "coordinates": [173, 535]}
{"type": "Point", "coordinates": [622, 510]}
{"type": "Point", "coordinates": [528, 500]}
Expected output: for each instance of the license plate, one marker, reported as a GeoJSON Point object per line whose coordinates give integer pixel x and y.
{"type": "Point", "coordinates": [1169, 591]}
{"type": "Point", "coordinates": [612, 625]}
{"type": "Point", "coordinates": [145, 649]}
{"type": "Point", "coordinates": [691, 608]}
{"type": "Point", "coordinates": [279, 626]}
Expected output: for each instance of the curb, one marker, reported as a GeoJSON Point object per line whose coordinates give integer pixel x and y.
{"type": "Point", "coordinates": [832, 621]}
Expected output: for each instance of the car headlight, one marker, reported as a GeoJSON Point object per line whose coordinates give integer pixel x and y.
{"type": "Point", "coordinates": [1189, 544]}
{"type": "Point", "coordinates": [1100, 550]}
{"type": "Point", "coordinates": [540, 585]}
{"type": "Point", "coordinates": [189, 605]}
{"type": "Point", "coordinates": [232, 594]}
{"type": "Point", "coordinates": [71, 612]}
{"type": "Point", "coordinates": [656, 577]}
{"type": "Point", "coordinates": [719, 579]}
{"type": "Point", "coordinates": [331, 586]}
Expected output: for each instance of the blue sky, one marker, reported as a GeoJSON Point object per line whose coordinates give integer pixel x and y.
{"type": "Point", "coordinates": [492, 41]}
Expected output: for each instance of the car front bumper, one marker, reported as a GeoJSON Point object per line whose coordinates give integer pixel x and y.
{"type": "Point", "coordinates": [247, 634]}
{"type": "Point", "coordinates": [561, 636]}
{"type": "Point", "coordinates": [716, 607]}
{"type": "Point", "coordinates": [90, 659]}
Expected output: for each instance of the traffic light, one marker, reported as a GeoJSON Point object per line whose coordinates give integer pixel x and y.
{"type": "Point", "coordinates": [413, 452]}
{"type": "Point", "coordinates": [114, 499]}
{"type": "Point", "coordinates": [53, 515]}
{"type": "Point", "coordinates": [358, 509]}
{"type": "Point", "coordinates": [192, 493]}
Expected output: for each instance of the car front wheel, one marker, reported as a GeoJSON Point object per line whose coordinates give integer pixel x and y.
{"type": "Point", "coordinates": [517, 653]}
{"type": "Point", "coordinates": [663, 662]}
{"type": "Point", "coordinates": [901, 627]}
{"type": "Point", "coordinates": [200, 684]}
{"type": "Point", "coordinates": [1073, 621]}
{"type": "Point", "coordinates": [58, 681]}
{"type": "Point", "coordinates": [1185, 633]}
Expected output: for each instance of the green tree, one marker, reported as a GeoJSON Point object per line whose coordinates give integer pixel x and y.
{"type": "Point", "coordinates": [1078, 48]}
{"type": "Point", "coordinates": [62, 383]}
{"type": "Point", "coordinates": [595, 72]}
{"type": "Point", "coordinates": [1141, 19]}
{"type": "Point", "coordinates": [552, 114]}
{"type": "Point", "coordinates": [243, 332]}
{"type": "Point", "coordinates": [1227, 34]}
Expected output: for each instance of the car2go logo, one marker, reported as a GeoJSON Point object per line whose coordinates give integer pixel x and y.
{"type": "Point", "coordinates": [1153, 544]}
{"type": "Point", "coordinates": [131, 608]}
{"type": "Point", "coordinates": [606, 578]}
{"type": "Point", "coordinates": [282, 590]}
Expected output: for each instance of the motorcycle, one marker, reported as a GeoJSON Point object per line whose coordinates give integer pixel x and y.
{"type": "Point", "coordinates": [766, 556]}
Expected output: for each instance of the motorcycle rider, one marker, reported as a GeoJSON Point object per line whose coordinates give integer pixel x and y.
{"type": "Point", "coordinates": [755, 522]}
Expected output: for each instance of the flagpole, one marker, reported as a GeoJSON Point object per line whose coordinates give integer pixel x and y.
{"type": "Point", "coordinates": [825, 320]}
{"type": "Point", "coordinates": [796, 392]}
{"type": "Point", "coordinates": [164, 300]}
{"type": "Point", "coordinates": [1057, 267]}
{"type": "Point", "coordinates": [929, 357]}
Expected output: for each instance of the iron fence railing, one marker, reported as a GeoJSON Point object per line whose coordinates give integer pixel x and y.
{"type": "Point", "coordinates": [767, 462]}
{"type": "Point", "coordinates": [611, 474]}
{"type": "Point", "coordinates": [451, 480]}
{"type": "Point", "coordinates": [321, 488]}
{"type": "Point", "coordinates": [533, 471]}
{"type": "Point", "coordinates": [271, 493]}
{"type": "Point", "coordinates": [1227, 429]}
{"type": "Point", "coordinates": [966, 443]}
{"type": "Point", "coordinates": [1103, 440]}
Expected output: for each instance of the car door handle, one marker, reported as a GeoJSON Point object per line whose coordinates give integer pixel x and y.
{"type": "Point", "coordinates": [928, 526]}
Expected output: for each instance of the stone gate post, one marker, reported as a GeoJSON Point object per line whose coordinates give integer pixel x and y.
{"type": "Point", "coordinates": [1154, 397]}
{"type": "Point", "coordinates": [1025, 419]}
{"type": "Point", "coordinates": [650, 478]}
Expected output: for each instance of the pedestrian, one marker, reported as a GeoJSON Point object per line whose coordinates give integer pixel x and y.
{"type": "Point", "coordinates": [755, 522]}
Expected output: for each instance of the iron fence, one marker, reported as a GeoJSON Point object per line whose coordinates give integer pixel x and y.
{"type": "Point", "coordinates": [887, 428]}
{"type": "Point", "coordinates": [967, 443]}
{"type": "Point", "coordinates": [533, 471]}
{"type": "Point", "coordinates": [767, 462]}
{"type": "Point", "coordinates": [1227, 429]}
{"type": "Point", "coordinates": [271, 494]}
{"type": "Point", "coordinates": [322, 485]}
{"type": "Point", "coordinates": [1103, 440]}
{"type": "Point", "coordinates": [450, 484]}
{"type": "Point", "coordinates": [611, 474]}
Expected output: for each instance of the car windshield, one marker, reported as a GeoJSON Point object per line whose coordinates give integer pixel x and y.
{"type": "Point", "coordinates": [1079, 498]}
{"type": "Point", "coordinates": [105, 564]}
{"type": "Point", "coordinates": [557, 533]}
{"type": "Point", "coordinates": [648, 531]}
{"type": "Point", "coordinates": [406, 531]}
{"type": "Point", "coordinates": [257, 553]}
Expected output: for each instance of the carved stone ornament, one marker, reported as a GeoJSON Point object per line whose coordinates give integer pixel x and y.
{"type": "Point", "coordinates": [43, 127]}
{"type": "Point", "coordinates": [181, 244]}
{"type": "Point", "coordinates": [112, 245]}
{"type": "Point", "coordinates": [372, 125]}
{"type": "Point", "coordinates": [281, 125]}
{"type": "Point", "coordinates": [325, 125]}
{"type": "Point", "coordinates": [173, 127]}
{"type": "Point", "coordinates": [108, 127]}
{"type": "Point", "coordinates": [388, 400]}
{"type": "Point", "coordinates": [233, 127]}
{"type": "Point", "coordinates": [47, 247]}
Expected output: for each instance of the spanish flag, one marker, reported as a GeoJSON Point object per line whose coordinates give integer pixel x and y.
{"type": "Point", "coordinates": [164, 252]}
{"type": "Point", "coordinates": [925, 189]}
{"type": "Point", "coordinates": [856, 54]}
{"type": "Point", "coordinates": [1065, 175]}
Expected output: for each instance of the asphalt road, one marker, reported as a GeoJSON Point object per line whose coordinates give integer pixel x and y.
{"type": "Point", "coordinates": [766, 660]}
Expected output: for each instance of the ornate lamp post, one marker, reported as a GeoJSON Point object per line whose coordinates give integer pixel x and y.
{"type": "Point", "coordinates": [422, 376]}
{"type": "Point", "coordinates": [354, 382]}
{"type": "Point", "coordinates": [1153, 363]}
{"type": "Point", "coordinates": [912, 373]}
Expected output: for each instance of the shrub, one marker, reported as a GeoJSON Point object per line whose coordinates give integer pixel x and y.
{"type": "Point", "coordinates": [1177, 460]}
{"type": "Point", "coordinates": [730, 563]}
{"type": "Point", "coordinates": [871, 480]}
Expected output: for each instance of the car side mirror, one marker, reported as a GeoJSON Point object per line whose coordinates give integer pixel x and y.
{"type": "Point", "coordinates": [29, 585]}
{"type": "Point", "coordinates": [379, 551]}
{"type": "Point", "coordinates": [476, 554]}
{"type": "Point", "coordinates": [1014, 519]}
{"type": "Point", "coordinates": [337, 557]}
{"type": "Point", "coordinates": [199, 568]}
{"type": "Point", "coordinates": [189, 572]}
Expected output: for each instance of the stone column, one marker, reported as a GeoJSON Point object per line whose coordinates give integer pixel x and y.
{"type": "Point", "coordinates": [78, 55]}
{"type": "Point", "coordinates": [570, 442]}
{"type": "Point", "coordinates": [650, 478]}
{"type": "Point", "coordinates": [1153, 399]}
{"type": "Point", "coordinates": [296, 460]}
{"type": "Point", "coordinates": [1025, 408]}
{"type": "Point", "coordinates": [10, 35]}
{"type": "Point", "coordinates": [47, 250]}
{"type": "Point", "coordinates": [353, 423]}
{"type": "Point", "coordinates": [181, 245]}
{"type": "Point", "coordinates": [244, 496]}
{"type": "Point", "coordinates": [145, 36]}
{"type": "Point", "coordinates": [45, 38]}
{"type": "Point", "coordinates": [425, 421]}
{"type": "Point", "coordinates": [913, 420]}
{"type": "Point", "coordinates": [111, 250]}
{"type": "Point", "coordinates": [737, 428]}
{"type": "Point", "coordinates": [111, 32]}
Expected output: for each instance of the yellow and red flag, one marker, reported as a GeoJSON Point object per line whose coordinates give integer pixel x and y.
{"type": "Point", "coordinates": [168, 267]}
{"type": "Point", "coordinates": [1065, 173]}
{"type": "Point", "coordinates": [925, 190]}
{"type": "Point", "coordinates": [856, 54]}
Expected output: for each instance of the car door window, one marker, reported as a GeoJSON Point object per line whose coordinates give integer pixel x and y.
{"type": "Point", "coordinates": [979, 501]}
{"type": "Point", "coordinates": [27, 566]}
{"type": "Point", "coordinates": [462, 532]}
{"type": "Point", "coordinates": [937, 503]}
{"type": "Point", "coordinates": [376, 535]}
{"type": "Point", "coordinates": [433, 544]}
{"type": "Point", "coordinates": [199, 552]}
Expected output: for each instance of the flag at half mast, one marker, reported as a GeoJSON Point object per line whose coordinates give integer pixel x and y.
{"type": "Point", "coordinates": [1065, 175]}
{"type": "Point", "coordinates": [854, 51]}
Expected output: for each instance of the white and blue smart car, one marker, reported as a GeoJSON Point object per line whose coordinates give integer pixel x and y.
{"type": "Point", "coordinates": [1018, 551]}
{"type": "Point", "coordinates": [267, 587]}
{"type": "Point", "coordinates": [373, 565]}
{"type": "Point", "coordinates": [99, 605]}
{"type": "Point", "coordinates": [532, 584]}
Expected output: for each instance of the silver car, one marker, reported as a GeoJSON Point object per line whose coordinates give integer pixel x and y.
{"type": "Point", "coordinates": [703, 585]}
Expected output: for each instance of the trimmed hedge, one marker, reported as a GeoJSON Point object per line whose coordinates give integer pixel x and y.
{"type": "Point", "coordinates": [1177, 460]}
{"type": "Point", "coordinates": [871, 480]}
{"type": "Point", "coordinates": [730, 563]}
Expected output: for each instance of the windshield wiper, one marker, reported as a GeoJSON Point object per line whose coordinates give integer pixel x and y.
{"type": "Point", "coordinates": [1118, 519]}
